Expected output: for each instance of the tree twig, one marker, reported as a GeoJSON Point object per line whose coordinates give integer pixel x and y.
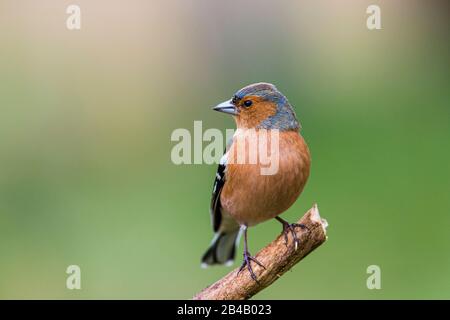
{"type": "Point", "coordinates": [276, 257]}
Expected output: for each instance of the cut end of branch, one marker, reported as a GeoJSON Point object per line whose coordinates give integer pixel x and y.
{"type": "Point", "coordinates": [315, 216]}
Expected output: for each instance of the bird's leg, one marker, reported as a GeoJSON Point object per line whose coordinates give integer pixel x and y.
{"type": "Point", "coordinates": [290, 227]}
{"type": "Point", "coordinates": [248, 258]}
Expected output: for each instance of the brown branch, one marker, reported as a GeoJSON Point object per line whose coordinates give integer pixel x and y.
{"type": "Point", "coordinates": [276, 257]}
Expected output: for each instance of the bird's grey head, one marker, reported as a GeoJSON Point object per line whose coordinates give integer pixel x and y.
{"type": "Point", "coordinates": [261, 106]}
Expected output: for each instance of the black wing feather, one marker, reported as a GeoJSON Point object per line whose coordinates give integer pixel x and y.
{"type": "Point", "coordinates": [215, 208]}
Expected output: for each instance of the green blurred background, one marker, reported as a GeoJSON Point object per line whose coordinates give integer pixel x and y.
{"type": "Point", "coordinates": [86, 117]}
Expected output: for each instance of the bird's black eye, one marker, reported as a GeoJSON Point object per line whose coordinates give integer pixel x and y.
{"type": "Point", "coordinates": [248, 103]}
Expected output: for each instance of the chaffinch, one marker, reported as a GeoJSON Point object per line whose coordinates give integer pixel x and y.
{"type": "Point", "coordinates": [243, 196]}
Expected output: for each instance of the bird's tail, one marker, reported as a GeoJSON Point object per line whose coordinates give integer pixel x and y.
{"type": "Point", "coordinates": [222, 249]}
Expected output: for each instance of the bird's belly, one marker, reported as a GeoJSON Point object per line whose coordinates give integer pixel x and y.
{"type": "Point", "coordinates": [251, 197]}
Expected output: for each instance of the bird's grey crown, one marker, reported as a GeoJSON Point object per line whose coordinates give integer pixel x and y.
{"type": "Point", "coordinates": [261, 89]}
{"type": "Point", "coordinates": [285, 118]}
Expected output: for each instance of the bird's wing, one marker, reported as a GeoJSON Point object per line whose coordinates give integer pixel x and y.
{"type": "Point", "coordinates": [218, 217]}
{"type": "Point", "coordinates": [219, 181]}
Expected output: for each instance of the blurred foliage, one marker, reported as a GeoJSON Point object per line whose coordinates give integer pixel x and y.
{"type": "Point", "coordinates": [86, 119]}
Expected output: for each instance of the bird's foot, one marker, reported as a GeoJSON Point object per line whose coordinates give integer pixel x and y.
{"type": "Point", "coordinates": [247, 263]}
{"type": "Point", "coordinates": [290, 228]}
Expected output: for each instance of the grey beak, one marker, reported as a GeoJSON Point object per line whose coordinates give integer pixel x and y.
{"type": "Point", "coordinates": [227, 107]}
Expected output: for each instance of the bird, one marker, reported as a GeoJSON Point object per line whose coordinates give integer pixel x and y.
{"type": "Point", "coordinates": [242, 196]}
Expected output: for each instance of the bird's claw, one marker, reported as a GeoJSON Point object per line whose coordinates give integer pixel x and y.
{"type": "Point", "coordinates": [290, 227]}
{"type": "Point", "coordinates": [247, 262]}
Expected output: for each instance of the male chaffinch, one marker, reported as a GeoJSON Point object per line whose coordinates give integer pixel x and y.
{"type": "Point", "coordinates": [242, 196]}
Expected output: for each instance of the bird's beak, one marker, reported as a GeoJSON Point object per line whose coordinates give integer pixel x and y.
{"type": "Point", "coordinates": [227, 107]}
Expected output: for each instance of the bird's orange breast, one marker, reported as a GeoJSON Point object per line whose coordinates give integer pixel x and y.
{"type": "Point", "coordinates": [250, 196]}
